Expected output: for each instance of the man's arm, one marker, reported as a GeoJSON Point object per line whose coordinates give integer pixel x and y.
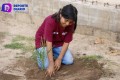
{"type": "Point", "coordinates": [63, 51]}
{"type": "Point", "coordinates": [49, 51]}
{"type": "Point", "coordinates": [50, 69]}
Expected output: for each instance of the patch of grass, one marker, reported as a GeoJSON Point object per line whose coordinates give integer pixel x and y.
{"type": "Point", "coordinates": [22, 38]}
{"type": "Point", "coordinates": [4, 33]}
{"type": "Point", "coordinates": [28, 48]}
{"type": "Point", "coordinates": [30, 38]}
{"type": "Point", "coordinates": [18, 38]}
{"type": "Point", "coordinates": [18, 43]}
{"type": "Point", "coordinates": [91, 61]}
{"type": "Point", "coordinates": [92, 57]}
{"type": "Point", "coordinates": [19, 57]}
{"type": "Point", "coordinates": [14, 46]}
{"type": "Point", "coordinates": [34, 55]}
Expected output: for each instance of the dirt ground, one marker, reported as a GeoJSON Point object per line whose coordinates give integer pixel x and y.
{"type": "Point", "coordinates": [17, 65]}
{"type": "Point", "coordinates": [25, 68]}
{"type": "Point", "coordinates": [78, 71]}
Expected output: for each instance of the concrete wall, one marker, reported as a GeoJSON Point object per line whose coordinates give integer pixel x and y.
{"type": "Point", "coordinates": [90, 17]}
{"type": "Point", "coordinates": [97, 16]}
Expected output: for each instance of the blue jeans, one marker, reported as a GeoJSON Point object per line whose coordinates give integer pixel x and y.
{"type": "Point", "coordinates": [67, 58]}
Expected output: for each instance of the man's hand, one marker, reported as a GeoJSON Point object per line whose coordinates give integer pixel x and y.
{"type": "Point", "coordinates": [57, 64]}
{"type": "Point", "coordinates": [50, 70]}
{"type": "Point", "coordinates": [59, 59]}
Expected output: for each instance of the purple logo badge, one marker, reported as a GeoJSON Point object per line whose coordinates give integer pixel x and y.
{"type": "Point", "coordinates": [7, 7]}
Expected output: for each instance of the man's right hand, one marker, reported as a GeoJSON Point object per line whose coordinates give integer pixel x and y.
{"type": "Point", "coordinates": [50, 70]}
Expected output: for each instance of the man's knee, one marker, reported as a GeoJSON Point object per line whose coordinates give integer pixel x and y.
{"type": "Point", "coordinates": [45, 65]}
{"type": "Point", "coordinates": [68, 61]}
{"type": "Point", "coordinates": [68, 58]}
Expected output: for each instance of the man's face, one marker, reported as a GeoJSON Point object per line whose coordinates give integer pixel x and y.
{"type": "Point", "coordinates": [65, 22]}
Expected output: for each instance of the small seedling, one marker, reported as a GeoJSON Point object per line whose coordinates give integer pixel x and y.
{"type": "Point", "coordinates": [42, 54]}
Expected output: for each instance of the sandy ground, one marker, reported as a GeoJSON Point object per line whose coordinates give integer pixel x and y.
{"type": "Point", "coordinates": [14, 65]}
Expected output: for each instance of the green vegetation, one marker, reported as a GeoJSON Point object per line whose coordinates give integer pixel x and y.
{"type": "Point", "coordinates": [14, 46]}
{"type": "Point", "coordinates": [26, 45]}
{"type": "Point", "coordinates": [21, 38]}
{"type": "Point", "coordinates": [3, 33]}
{"type": "Point", "coordinates": [92, 57]}
{"type": "Point", "coordinates": [41, 54]}
{"type": "Point", "coordinates": [21, 42]}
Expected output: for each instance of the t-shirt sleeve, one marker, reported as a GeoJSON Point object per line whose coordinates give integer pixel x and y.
{"type": "Point", "coordinates": [37, 38]}
{"type": "Point", "coordinates": [69, 35]}
{"type": "Point", "coordinates": [48, 31]}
